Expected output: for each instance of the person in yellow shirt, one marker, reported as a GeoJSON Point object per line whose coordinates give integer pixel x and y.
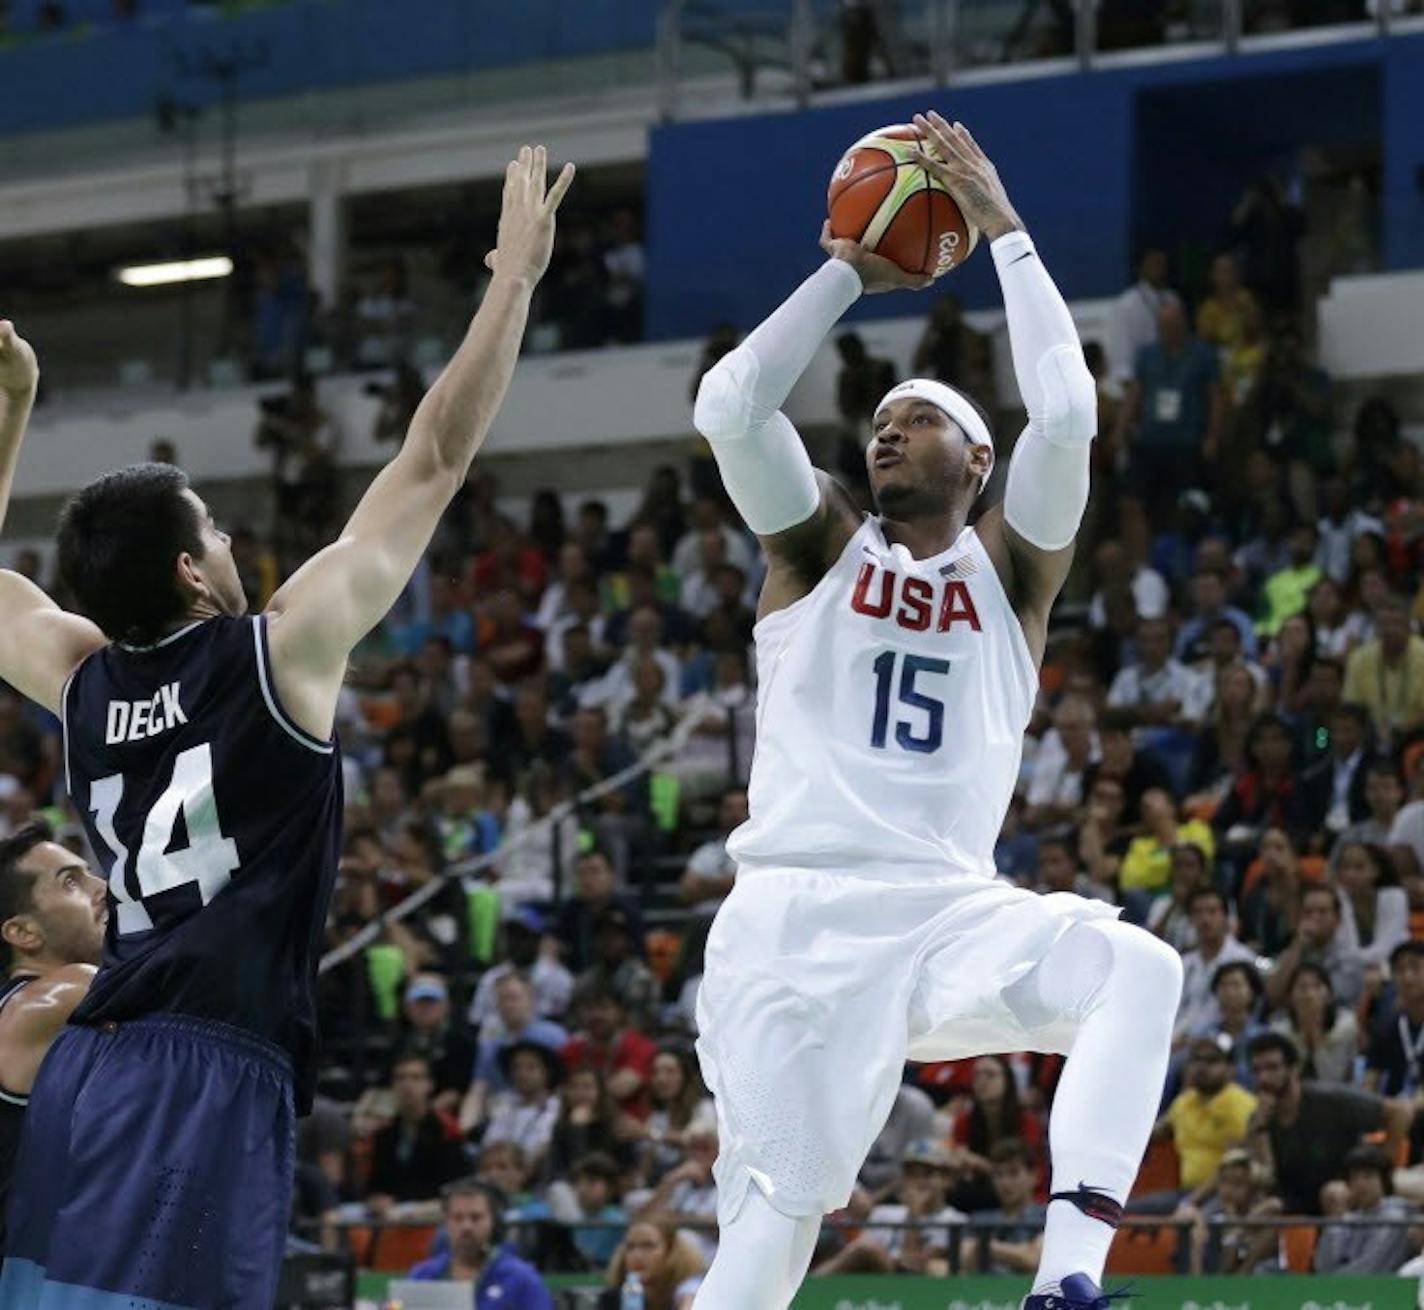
{"type": "Point", "coordinates": [1386, 675]}
{"type": "Point", "coordinates": [1207, 1118]}
{"type": "Point", "coordinates": [1223, 315]}
{"type": "Point", "coordinates": [1147, 865]}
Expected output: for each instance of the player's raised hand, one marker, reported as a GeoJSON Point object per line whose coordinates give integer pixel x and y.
{"type": "Point", "coordinates": [876, 272]}
{"type": "Point", "coordinates": [954, 158]}
{"type": "Point", "coordinates": [526, 217]}
{"type": "Point", "coordinates": [19, 369]}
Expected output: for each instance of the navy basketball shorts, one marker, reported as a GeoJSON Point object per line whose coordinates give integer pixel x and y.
{"type": "Point", "coordinates": [154, 1171]}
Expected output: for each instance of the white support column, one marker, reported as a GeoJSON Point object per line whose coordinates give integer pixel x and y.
{"type": "Point", "coordinates": [326, 233]}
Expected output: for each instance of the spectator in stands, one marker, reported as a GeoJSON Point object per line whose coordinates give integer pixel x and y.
{"type": "Point", "coordinates": [911, 1118]}
{"type": "Point", "coordinates": [645, 642]}
{"type": "Point", "coordinates": [527, 1111]}
{"type": "Point", "coordinates": [1271, 907]}
{"type": "Point", "coordinates": [710, 872]}
{"type": "Point", "coordinates": [529, 954]}
{"type": "Point", "coordinates": [1338, 628]}
{"type": "Point", "coordinates": [1374, 909]}
{"type": "Point", "coordinates": [1103, 834]}
{"type": "Point", "coordinates": [1117, 575]}
{"type": "Point", "coordinates": [1384, 800]}
{"type": "Point", "coordinates": [1237, 990]}
{"type": "Point", "coordinates": [1303, 1132]}
{"type": "Point", "coordinates": [1223, 316]}
{"type": "Point", "coordinates": [1265, 794]}
{"type": "Point", "coordinates": [668, 1264]}
{"type": "Point", "coordinates": [473, 1221]}
{"type": "Point", "coordinates": [622, 1054]}
{"type": "Point", "coordinates": [588, 1123]}
{"type": "Point", "coordinates": [1173, 411]}
{"type": "Point", "coordinates": [1209, 605]}
{"type": "Point", "coordinates": [1133, 322]}
{"type": "Point", "coordinates": [1056, 789]}
{"type": "Point", "coordinates": [1394, 1063]}
{"type": "Point", "coordinates": [1319, 941]}
{"type": "Point", "coordinates": [1266, 229]}
{"type": "Point", "coordinates": [385, 317]}
{"type": "Point", "coordinates": [419, 1151]}
{"type": "Point", "coordinates": [1323, 1031]}
{"type": "Point", "coordinates": [707, 516]}
{"type": "Point", "coordinates": [1341, 523]}
{"type": "Point", "coordinates": [1157, 690]}
{"type": "Point", "coordinates": [680, 1107]}
{"type": "Point", "coordinates": [953, 352]}
{"type": "Point", "coordinates": [432, 1031]}
{"type": "Point", "coordinates": [1386, 675]}
{"type": "Point", "coordinates": [687, 1193]}
{"type": "Point", "coordinates": [1335, 786]}
{"type": "Point", "coordinates": [514, 1021]}
{"type": "Point", "coordinates": [994, 1115]}
{"type": "Point", "coordinates": [1217, 1248]}
{"type": "Point", "coordinates": [1287, 590]}
{"type": "Point", "coordinates": [594, 894]}
{"type": "Point", "coordinates": [1058, 870]}
{"type": "Point", "coordinates": [502, 1164]}
{"type": "Point", "coordinates": [1216, 946]}
{"type": "Point", "coordinates": [1205, 1119]}
{"type": "Point", "coordinates": [699, 590]}
{"type": "Point", "coordinates": [513, 646]}
{"type": "Point", "coordinates": [644, 717]}
{"type": "Point", "coordinates": [919, 1242]}
{"type": "Point", "coordinates": [446, 617]}
{"type": "Point", "coordinates": [625, 265]}
{"type": "Point", "coordinates": [1147, 864]}
{"type": "Point", "coordinates": [1170, 915]}
{"type": "Point", "coordinates": [1377, 1240]}
{"type": "Point", "coordinates": [587, 1203]}
{"type": "Point", "coordinates": [616, 968]}
{"type": "Point", "coordinates": [1008, 1238]}
{"type": "Point", "coordinates": [398, 403]}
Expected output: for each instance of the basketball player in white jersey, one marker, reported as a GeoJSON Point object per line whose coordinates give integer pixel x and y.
{"type": "Point", "coordinates": [898, 659]}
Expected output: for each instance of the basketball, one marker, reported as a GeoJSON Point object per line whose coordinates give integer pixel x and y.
{"type": "Point", "coordinates": [883, 198]}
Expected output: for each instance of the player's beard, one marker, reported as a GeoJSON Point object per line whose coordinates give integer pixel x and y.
{"type": "Point", "coordinates": [909, 500]}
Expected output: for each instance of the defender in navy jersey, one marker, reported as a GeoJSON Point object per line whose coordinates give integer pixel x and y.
{"type": "Point", "coordinates": [52, 916]}
{"type": "Point", "coordinates": [155, 1163]}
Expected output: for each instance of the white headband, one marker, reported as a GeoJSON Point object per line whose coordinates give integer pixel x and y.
{"type": "Point", "coordinates": [952, 403]}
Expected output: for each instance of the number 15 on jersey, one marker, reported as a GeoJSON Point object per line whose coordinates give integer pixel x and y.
{"type": "Point", "coordinates": [923, 732]}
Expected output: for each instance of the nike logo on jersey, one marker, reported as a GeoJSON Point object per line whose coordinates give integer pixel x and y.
{"type": "Point", "coordinates": [914, 600]}
{"type": "Point", "coordinates": [133, 720]}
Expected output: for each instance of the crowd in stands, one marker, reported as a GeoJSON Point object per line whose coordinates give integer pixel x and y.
{"type": "Point", "coordinates": [1229, 745]}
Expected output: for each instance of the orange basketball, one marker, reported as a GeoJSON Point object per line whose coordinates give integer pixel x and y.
{"type": "Point", "coordinates": [880, 196]}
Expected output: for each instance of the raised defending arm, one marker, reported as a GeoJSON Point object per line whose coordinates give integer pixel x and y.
{"type": "Point", "coordinates": [40, 644]}
{"type": "Point", "coordinates": [329, 604]}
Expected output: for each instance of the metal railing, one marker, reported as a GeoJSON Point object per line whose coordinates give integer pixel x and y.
{"type": "Point", "coordinates": [936, 39]}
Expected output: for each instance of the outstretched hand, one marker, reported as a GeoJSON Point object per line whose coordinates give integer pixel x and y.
{"type": "Point", "coordinates": [526, 217]}
{"type": "Point", "coordinates": [954, 158]}
{"type": "Point", "coordinates": [876, 272]}
{"type": "Point", "coordinates": [19, 369]}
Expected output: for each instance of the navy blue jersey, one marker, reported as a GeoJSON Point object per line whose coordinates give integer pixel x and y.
{"type": "Point", "coordinates": [217, 822]}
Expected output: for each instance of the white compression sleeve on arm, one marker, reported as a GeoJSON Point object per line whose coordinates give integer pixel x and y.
{"type": "Point", "coordinates": [1048, 475]}
{"type": "Point", "coordinates": [763, 464]}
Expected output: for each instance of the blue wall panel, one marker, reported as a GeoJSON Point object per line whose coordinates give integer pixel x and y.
{"type": "Point", "coordinates": [1095, 163]}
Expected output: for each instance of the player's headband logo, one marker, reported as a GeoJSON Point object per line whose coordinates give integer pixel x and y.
{"type": "Point", "coordinates": [952, 403]}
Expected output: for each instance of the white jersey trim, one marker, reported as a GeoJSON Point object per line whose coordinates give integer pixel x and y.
{"type": "Point", "coordinates": [269, 694]}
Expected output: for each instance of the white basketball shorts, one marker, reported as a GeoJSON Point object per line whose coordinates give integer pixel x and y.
{"type": "Point", "coordinates": [819, 986]}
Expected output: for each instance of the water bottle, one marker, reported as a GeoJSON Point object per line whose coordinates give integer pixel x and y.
{"type": "Point", "coordinates": [632, 1298]}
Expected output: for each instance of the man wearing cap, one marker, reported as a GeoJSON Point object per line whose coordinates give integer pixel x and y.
{"type": "Point", "coordinates": [517, 1022]}
{"type": "Point", "coordinates": [899, 656]}
{"type": "Point", "coordinates": [525, 953]}
{"type": "Point", "coordinates": [891, 1241]}
{"type": "Point", "coordinates": [1207, 1117]}
{"type": "Point", "coordinates": [432, 1031]}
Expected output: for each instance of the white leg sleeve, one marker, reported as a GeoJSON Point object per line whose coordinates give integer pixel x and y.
{"type": "Point", "coordinates": [1048, 475]}
{"type": "Point", "coordinates": [763, 463]}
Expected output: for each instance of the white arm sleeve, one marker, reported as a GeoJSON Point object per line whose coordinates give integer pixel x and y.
{"type": "Point", "coordinates": [759, 453]}
{"type": "Point", "coordinates": [1048, 475]}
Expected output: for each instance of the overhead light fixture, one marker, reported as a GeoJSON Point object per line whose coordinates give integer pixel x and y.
{"type": "Point", "coordinates": [183, 270]}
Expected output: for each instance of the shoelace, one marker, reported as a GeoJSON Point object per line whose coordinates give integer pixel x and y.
{"type": "Point", "coordinates": [1057, 1301]}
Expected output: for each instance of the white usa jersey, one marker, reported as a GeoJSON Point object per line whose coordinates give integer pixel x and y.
{"type": "Point", "coordinates": [891, 711]}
